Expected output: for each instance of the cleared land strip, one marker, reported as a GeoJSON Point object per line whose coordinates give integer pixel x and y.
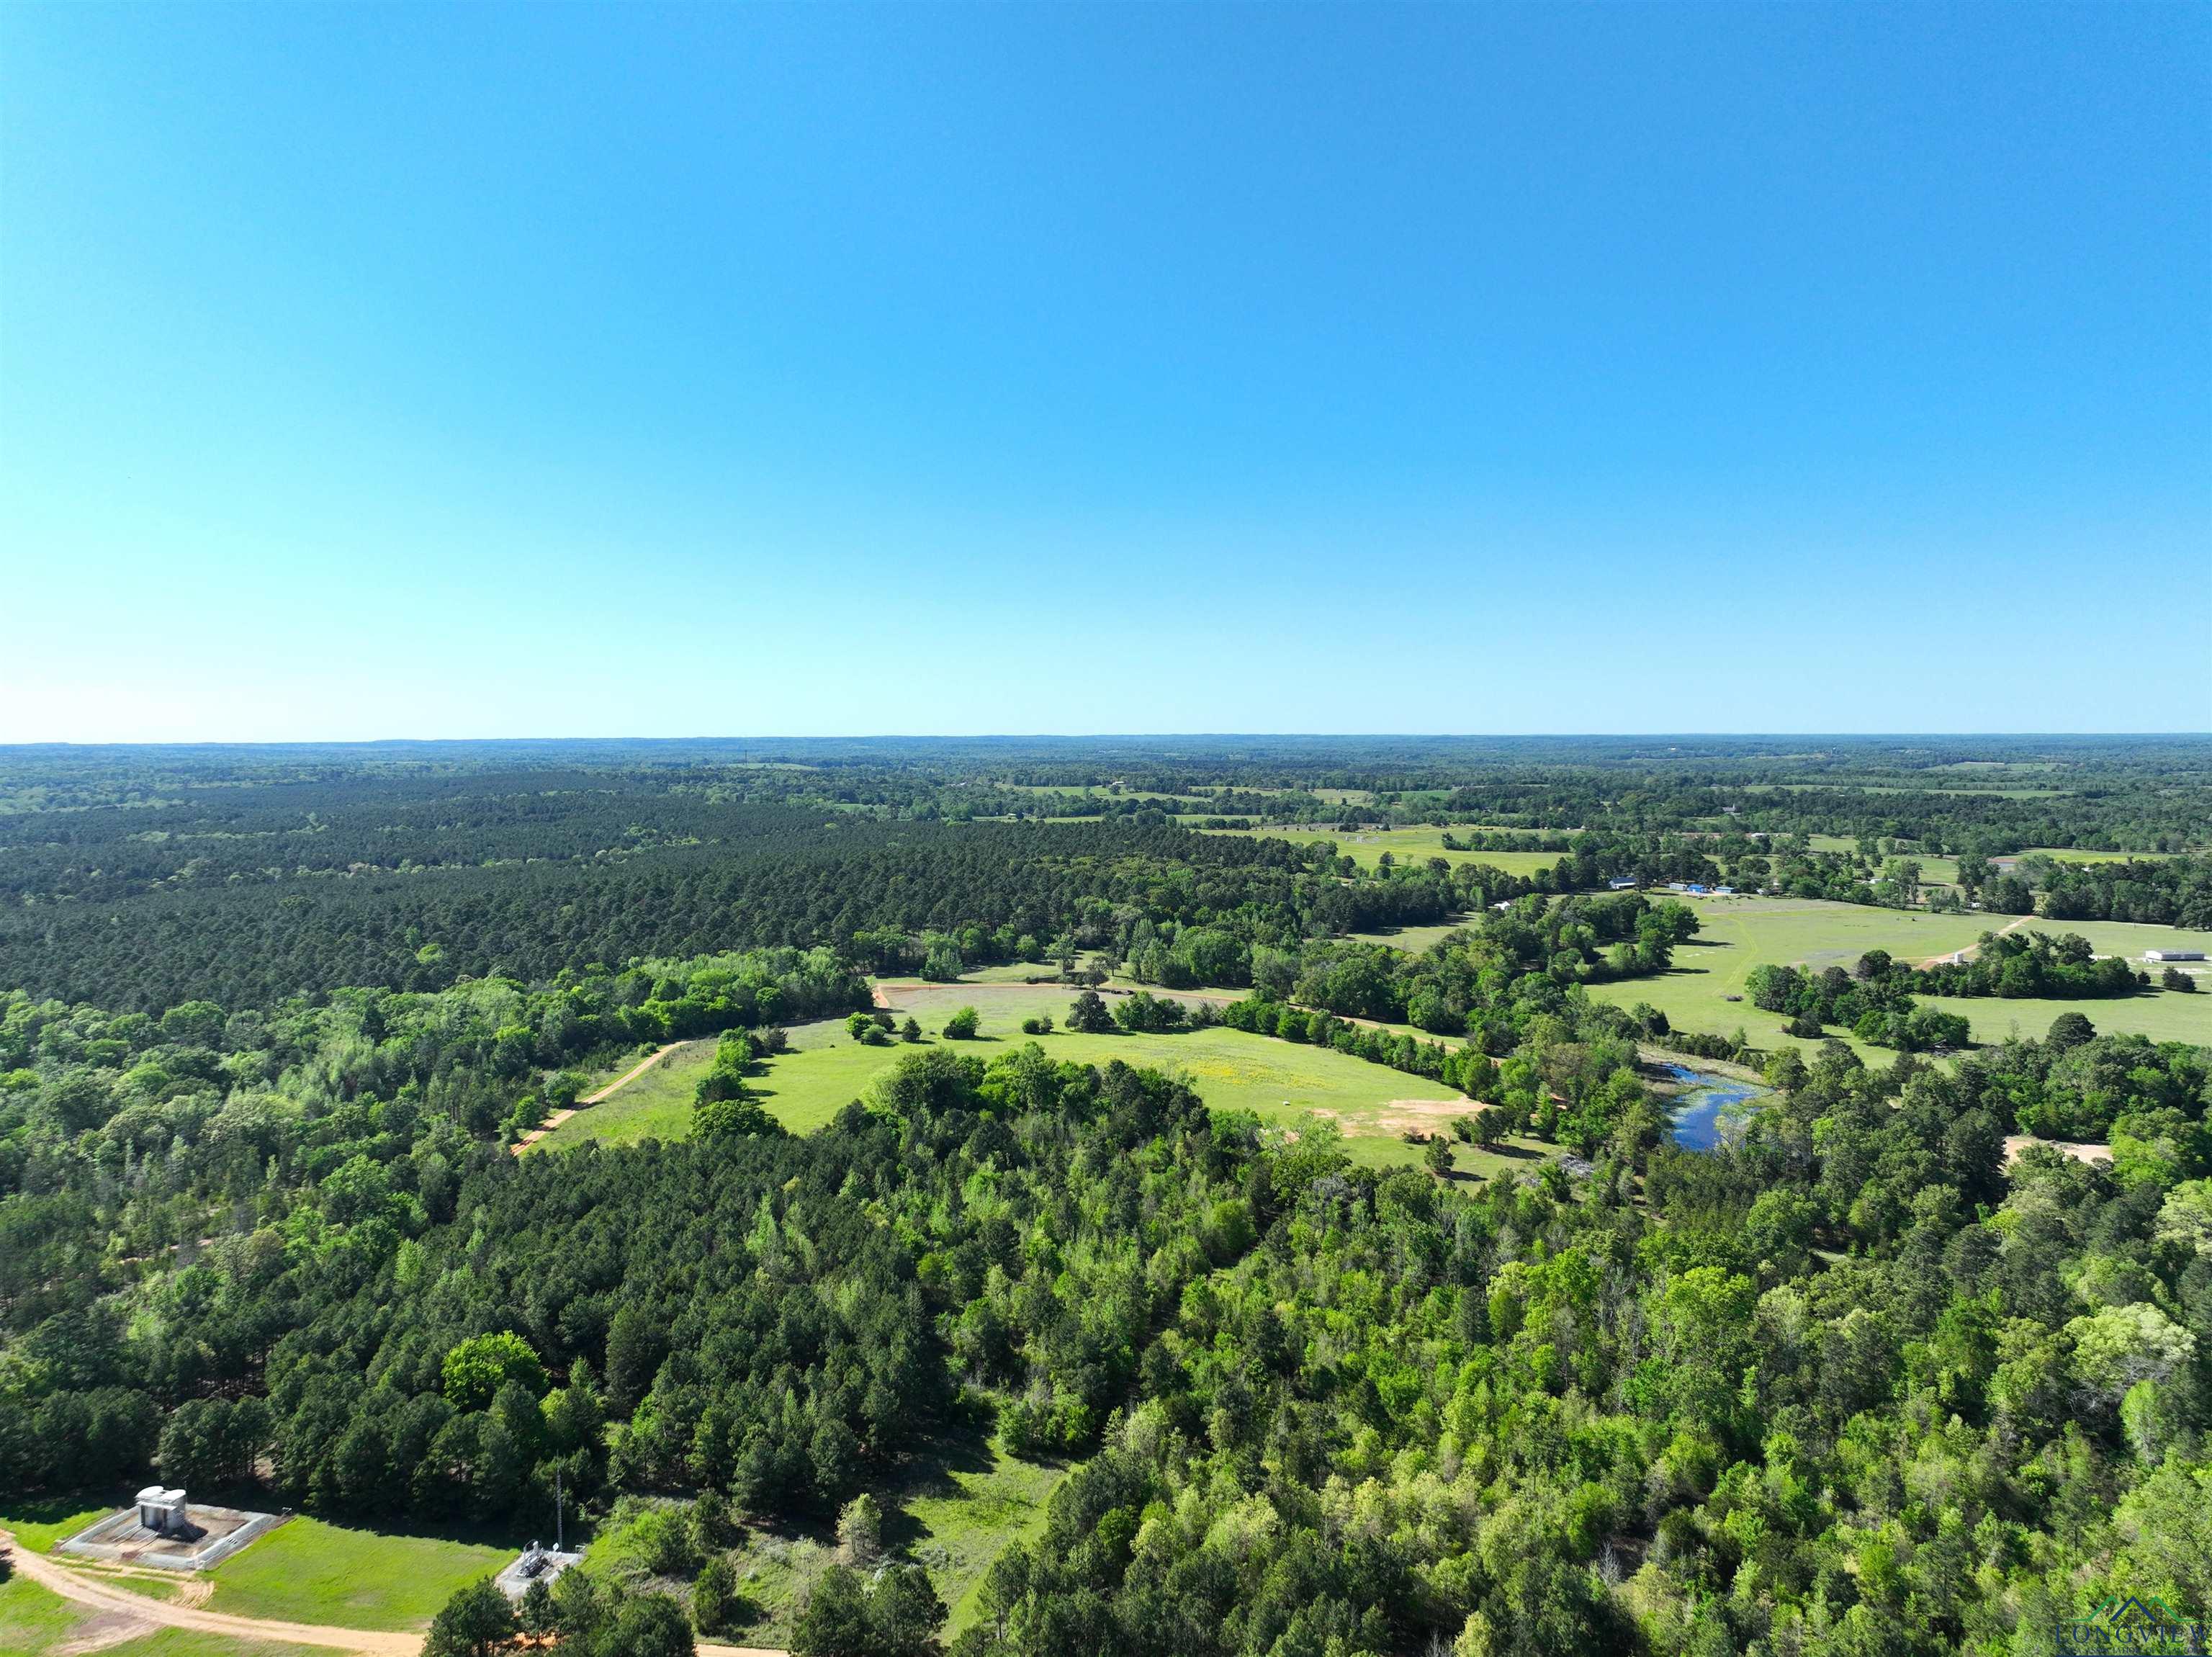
{"type": "Point", "coordinates": [622, 1081]}
{"type": "Point", "coordinates": [1958, 957]}
{"type": "Point", "coordinates": [88, 1590]}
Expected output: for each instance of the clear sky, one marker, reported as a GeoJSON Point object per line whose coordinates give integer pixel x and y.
{"type": "Point", "coordinates": [463, 371]}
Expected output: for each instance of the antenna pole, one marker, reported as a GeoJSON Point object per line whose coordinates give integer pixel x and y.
{"type": "Point", "coordinates": [559, 1539]}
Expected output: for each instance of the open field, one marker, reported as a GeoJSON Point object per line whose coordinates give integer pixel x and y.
{"type": "Point", "coordinates": [307, 1571]}
{"type": "Point", "coordinates": [34, 1623]}
{"type": "Point", "coordinates": [2163, 1015]}
{"type": "Point", "coordinates": [1741, 933]}
{"type": "Point", "coordinates": [2128, 938]}
{"type": "Point", "coordinates": [658, 1105]}
{"type": "Point", "coordinates": [1415, 845]}
{"type": "Point", "coordinates": [1280, 1082]}
{"type": "Point", "coordinates": [1415, 939]}
{"type": "Point", "coordinates": [642, 1110]}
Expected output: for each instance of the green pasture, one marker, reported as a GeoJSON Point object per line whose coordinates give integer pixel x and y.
{"type": "Point", "coordinates": [1741, 933]}
{"type": "Point", "coordinates": [1405, 846]}
{"type": "Point", "coordinates": [307, 1571]}
{"type": "Point", "coordinates": [658, 1105]}
{"type": "Point", "coordinates": [1284, 1083]}
{"type": "Point", "coordinates": [1415, 939]}
{"type": "Point", "coordinates": [303, 1571]}
{"type": "Point", "coordinates": [34, 1622]}
{"type": "Point", "coordinates": [2127, 938]}
{"type": "Point", "coordinates": [2163, 1015]}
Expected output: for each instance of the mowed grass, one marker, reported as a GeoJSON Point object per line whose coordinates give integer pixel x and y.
{"type": "Point", "coordinates": [658, 1105]}
{"type": "Point", "coordinates": [1284, 1083]}
{"type": "Point", "coordinates": [2163, 1015]}
{"type": "Point", "coordinates": [1741, 933]}
{"type": "Point", "coordinates": [39, 1522]}
{"type": "Point", "coordinates": [646, 1108]}
{"type": "Point", "coordinates": [1415, 939]}
{"type": "Point", "coordinates": [34, 1622]}
{"type": "Point", "coordinates": [1405, 846]}
{"type": "Point", "coordinates": [307, 1571]}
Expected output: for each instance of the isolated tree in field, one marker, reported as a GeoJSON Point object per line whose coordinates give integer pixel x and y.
{"type": "Point", "coordinates": [1489, 1128]}
{"type": "Point", "coordinates": [963, 1025]}
{"type": "Point", "coordinates": [2069, 1030]}
{"type": "Point", "coordinates": [1437, 1153]}
{"type": "Point", "coordinates": [476, 1621]}
{"type": "Point", "coordinates": [911, 1029]}
{"type": "Point", "coordinates": [1089, 1015]}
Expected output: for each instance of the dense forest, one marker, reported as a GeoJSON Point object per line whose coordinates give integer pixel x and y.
{"type": "Point", "coordinates": [1859, 1380]}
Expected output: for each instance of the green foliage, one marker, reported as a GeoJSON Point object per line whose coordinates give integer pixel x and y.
{"type": "Point", "coordinates": [896, 1614]}
{"type": "Point", "coordinates": [963, 1025]}
{"type": "Point", "coordinates": [476, 1368]}
{"type": "Point", "coordinates": [476, 1621]}
{"type": "Point", "coordinates": [1088, 1015]}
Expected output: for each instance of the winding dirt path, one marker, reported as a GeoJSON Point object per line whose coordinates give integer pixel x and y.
{"type": "Point", "coordinates": [87, 1589]}
{"type": "Point", "coordinates": [622, 1081]}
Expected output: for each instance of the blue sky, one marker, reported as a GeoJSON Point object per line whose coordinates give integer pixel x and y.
{"type": "Point", "coordinates": [465, 371]}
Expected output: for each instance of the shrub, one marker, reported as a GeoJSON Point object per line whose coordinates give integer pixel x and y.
{"type": "Point", "coordinates": [963, 1025]}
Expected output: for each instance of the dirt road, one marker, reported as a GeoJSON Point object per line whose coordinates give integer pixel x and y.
{"type": "Point", "coordinates": [622, 1081]}
{"type": "Point", "coordinates": [1957, 957]}
{"type": "Point", "coordinates": [123, 1605]}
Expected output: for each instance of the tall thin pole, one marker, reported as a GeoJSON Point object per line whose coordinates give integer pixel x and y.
{"type": "Point", "coordinates": [559, 1539]}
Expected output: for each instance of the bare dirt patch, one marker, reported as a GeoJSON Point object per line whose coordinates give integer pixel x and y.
{"type": "Point", "coordinates": [101, 1630]}
{"type": "Point", "coordinates": [2017, 1142]}
{"type": "Point", "coordinates": [1420, 1115]}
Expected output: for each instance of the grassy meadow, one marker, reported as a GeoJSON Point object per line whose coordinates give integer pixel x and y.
{"type": "Point", "coordinates": [307, 1571]}
{"type": "Point", "coordinates": [303, 1571]}
{"type": "Point", "coordinates": [1405, 846]}
{"type": "Point", "coordinates": [35, 1622]}
{"type": "Point", "coordinates": [1741, 933]}
{"type": "Point", "coordinates": [1282, 1082]}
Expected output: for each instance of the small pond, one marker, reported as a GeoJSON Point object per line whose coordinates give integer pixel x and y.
{"type": "Point", "coordinates": [1708, 1104]}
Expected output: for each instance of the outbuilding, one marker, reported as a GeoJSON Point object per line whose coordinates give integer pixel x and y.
{"type": "Point", "coordinates": [2174, 955]}
{"type": "Point", "coordinates": [162, 1511]}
